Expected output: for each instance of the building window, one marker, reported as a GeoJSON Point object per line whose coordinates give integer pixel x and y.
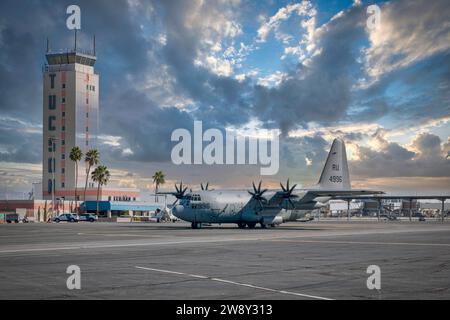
{"type": "Point", "coordinates": [87, 114]}
{"type": "Point", "coordinates": [63, 128]}
{"type": "Point", "coordinates": [63, 142]}
{"type": "Point", "coordinates": [63, 156]}
{"type": "Point", "coordinates": [87, 142]}
{"type": "Point", "coordinates": [87, 101]}
{"type": "Point", "coordinates": [50, 145]}
{"type": "Point", "coordinates": [87, 129]}
{"type": "Point", "coordinates": [51, 127]}
{"type": "Point", "coordinates": [63, 114]}
{"type": "Point", "coordinates": [49, 186]}
{"type": "Point", "coordinates": [50, 165]}
{"type": "Point", "coordinates": [62, 184]}
{"type": "Point", "coordinates": [63, 100]}
{"type": "Point", "coordinates": [63, 170]}
{"type": "Point", "coordinates": [52, 102]}
{"type": "Point", "coordinates": [63, 85]}
{"type": "Point", "coordinates": [52, 80]}
{"type": "Point", "coordinates": [87, 87]}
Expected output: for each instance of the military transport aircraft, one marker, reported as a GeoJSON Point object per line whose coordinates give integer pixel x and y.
{"type": "Point", "coordinates": [266, 207]}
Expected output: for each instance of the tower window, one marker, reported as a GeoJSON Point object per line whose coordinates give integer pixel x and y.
{"type": "Point", "coordinates": [50, 186]}
{"type": "Point", "coordinates": [52, 80]}
{"type": "Point", "coordinates": [63, 114]}
{"type": "Point", "coordinates": [63, 142]}
{"type": "Point", "coordinates": [51, 127]}
{"type": "Point", "coordinates": [62, 185]}
{"type": "Point", "coordinates": [63, 128]}
{"type": "Point", "coordinates": [63, 156]}
{"type": "Point", "coordinates": [50, 165]}
{"type": "Point", "coordinates": [87, 101]}
{"type": "Point", "coordinates": [63, 170]}
{"type": "Point", "coordinates": [63, 85]}
{"type": "Point", "coordinates": [63, 100]}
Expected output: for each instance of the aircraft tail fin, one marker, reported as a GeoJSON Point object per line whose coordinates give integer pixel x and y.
{"type": "Point", "coordinates": [335, 175]}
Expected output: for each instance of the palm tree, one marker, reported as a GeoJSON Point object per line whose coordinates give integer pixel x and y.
{"type": "Point", "coordinates": [91, 159]}
{"type": "Point", "coordinates": [158, 179]}
{"type": "Point", "coordinates": [100, 175]}
{"type": "Point", "coordinates": [76, 155]}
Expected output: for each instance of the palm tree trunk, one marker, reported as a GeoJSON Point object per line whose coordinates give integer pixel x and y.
{"type": "Point", "coordinates": [76, 184]}
{"type": "Point", "coordinates": [85, 185]}
{"type": "Point", "coordinates": [156, 192]}
{"type": "Point", "coordinates": [98, 193]}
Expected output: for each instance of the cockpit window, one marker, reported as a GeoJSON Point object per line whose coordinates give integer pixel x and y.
{"type": "Point", "coordinates": [196, 197]}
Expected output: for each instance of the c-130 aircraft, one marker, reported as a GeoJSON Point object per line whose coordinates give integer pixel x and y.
{"type": "Point", "coordinates": [266, 207]}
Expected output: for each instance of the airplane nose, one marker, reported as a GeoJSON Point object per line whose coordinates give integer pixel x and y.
{"type": "Point", "coordinates": [178, 209]}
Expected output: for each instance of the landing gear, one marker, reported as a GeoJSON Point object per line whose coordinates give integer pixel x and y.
{"type": "Point", "coordinates": [241, 225]}
{"type": "Point", "coordinates": [196, 225]}
{"type": "Point", "coordinates": [251, 225]}
{"type": "Point", "coordinates": [263, 226]}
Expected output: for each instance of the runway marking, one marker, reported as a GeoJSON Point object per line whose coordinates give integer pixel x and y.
{"type": "Point", "coordinates": [368, 242]}
{"type": "Point", "coordinates": [284, 237]}
{"type": "Point", "coordinates": [235, 283]}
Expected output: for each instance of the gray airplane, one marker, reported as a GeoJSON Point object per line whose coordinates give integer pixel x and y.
{"type": "Point", "coordinates": [266, 207]}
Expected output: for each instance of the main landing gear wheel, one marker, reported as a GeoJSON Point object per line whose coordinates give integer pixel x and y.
{"type": "Point", "coordinates": [251, 225]}
{"type": "Point", "coordinates": [263, 226]}
{"type": "Point", "coordinates": [241, 225]}
{"type": "Point", "coordinates": [196, 225]}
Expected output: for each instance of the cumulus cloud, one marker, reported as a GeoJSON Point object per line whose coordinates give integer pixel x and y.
{"type": "Point", "coordinates": [425, 158]}
{"type": "Point", "coordinates": [409, 31]}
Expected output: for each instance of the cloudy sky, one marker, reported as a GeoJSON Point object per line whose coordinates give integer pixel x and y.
{"type": "Point", "coordinates": [311, 69]}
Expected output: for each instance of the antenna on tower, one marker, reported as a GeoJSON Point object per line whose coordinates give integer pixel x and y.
{"type": "Point", "coordinates": [48, 46]}
{"type": "Point", "coordinates": [94, 44]}
{"type": "Point", "coordinates": [75, 39]}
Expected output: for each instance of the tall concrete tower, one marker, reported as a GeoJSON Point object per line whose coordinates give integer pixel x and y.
{"type": "Point", "coordinates": [71, 115]}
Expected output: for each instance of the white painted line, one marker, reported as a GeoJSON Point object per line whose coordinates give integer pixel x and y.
{"type": "Point", "coordinates": [366, 242]}
{"type": "Point", "coordinates": [235, 283]}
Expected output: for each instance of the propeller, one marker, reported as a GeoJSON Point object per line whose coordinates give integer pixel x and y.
{"type": "Point", "coordinates": [180, 191]}
{"type": "Point", "coordinates": [257, 194]}
{"type": "Point", "coordinates": [205, 188]}
{"type": "Point", "coordinates": [287, 193]}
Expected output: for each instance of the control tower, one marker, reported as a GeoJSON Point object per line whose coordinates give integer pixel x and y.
{"type": "Point", "coordinates": [70, 118]}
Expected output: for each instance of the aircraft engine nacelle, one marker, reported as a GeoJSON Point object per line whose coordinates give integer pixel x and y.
{"type": "Point", "coordinates": [322, 199]}
{"type": "Point", "coordinates": [319, 205]}
{"type": "Point", "coordinates": [273, 220]}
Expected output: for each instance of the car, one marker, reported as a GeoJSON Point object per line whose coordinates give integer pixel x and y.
{"type": "Point", "coordinates": [87, 217]}
{"type": "Point", "coordinates": [68, 217]}
{"type": "Point", "coordinates": [12, 217]}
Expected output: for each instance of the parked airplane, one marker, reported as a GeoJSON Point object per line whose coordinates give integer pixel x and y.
{"type": "Point", "coordinates": [266, 207]}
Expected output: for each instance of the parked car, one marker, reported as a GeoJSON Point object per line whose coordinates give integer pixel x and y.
{"type": "Point", "coordinates": [12, 217]}
{"type": "Point", "coordinates": [87, 217]}
{"type": "Point", "coordinates": [68, 217]}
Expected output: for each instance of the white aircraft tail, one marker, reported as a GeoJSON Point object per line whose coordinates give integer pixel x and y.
{"type": "Point", "coordinates": [335, 175]}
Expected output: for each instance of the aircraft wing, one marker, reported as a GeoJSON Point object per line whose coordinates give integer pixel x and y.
{"type": "Point", "coordinates": [342, 193]}
{"type": "Point", "coordinates": [306, 196]}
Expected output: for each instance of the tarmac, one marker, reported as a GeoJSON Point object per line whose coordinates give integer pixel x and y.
{"type": "Point", "coordinates": [315, 260]}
